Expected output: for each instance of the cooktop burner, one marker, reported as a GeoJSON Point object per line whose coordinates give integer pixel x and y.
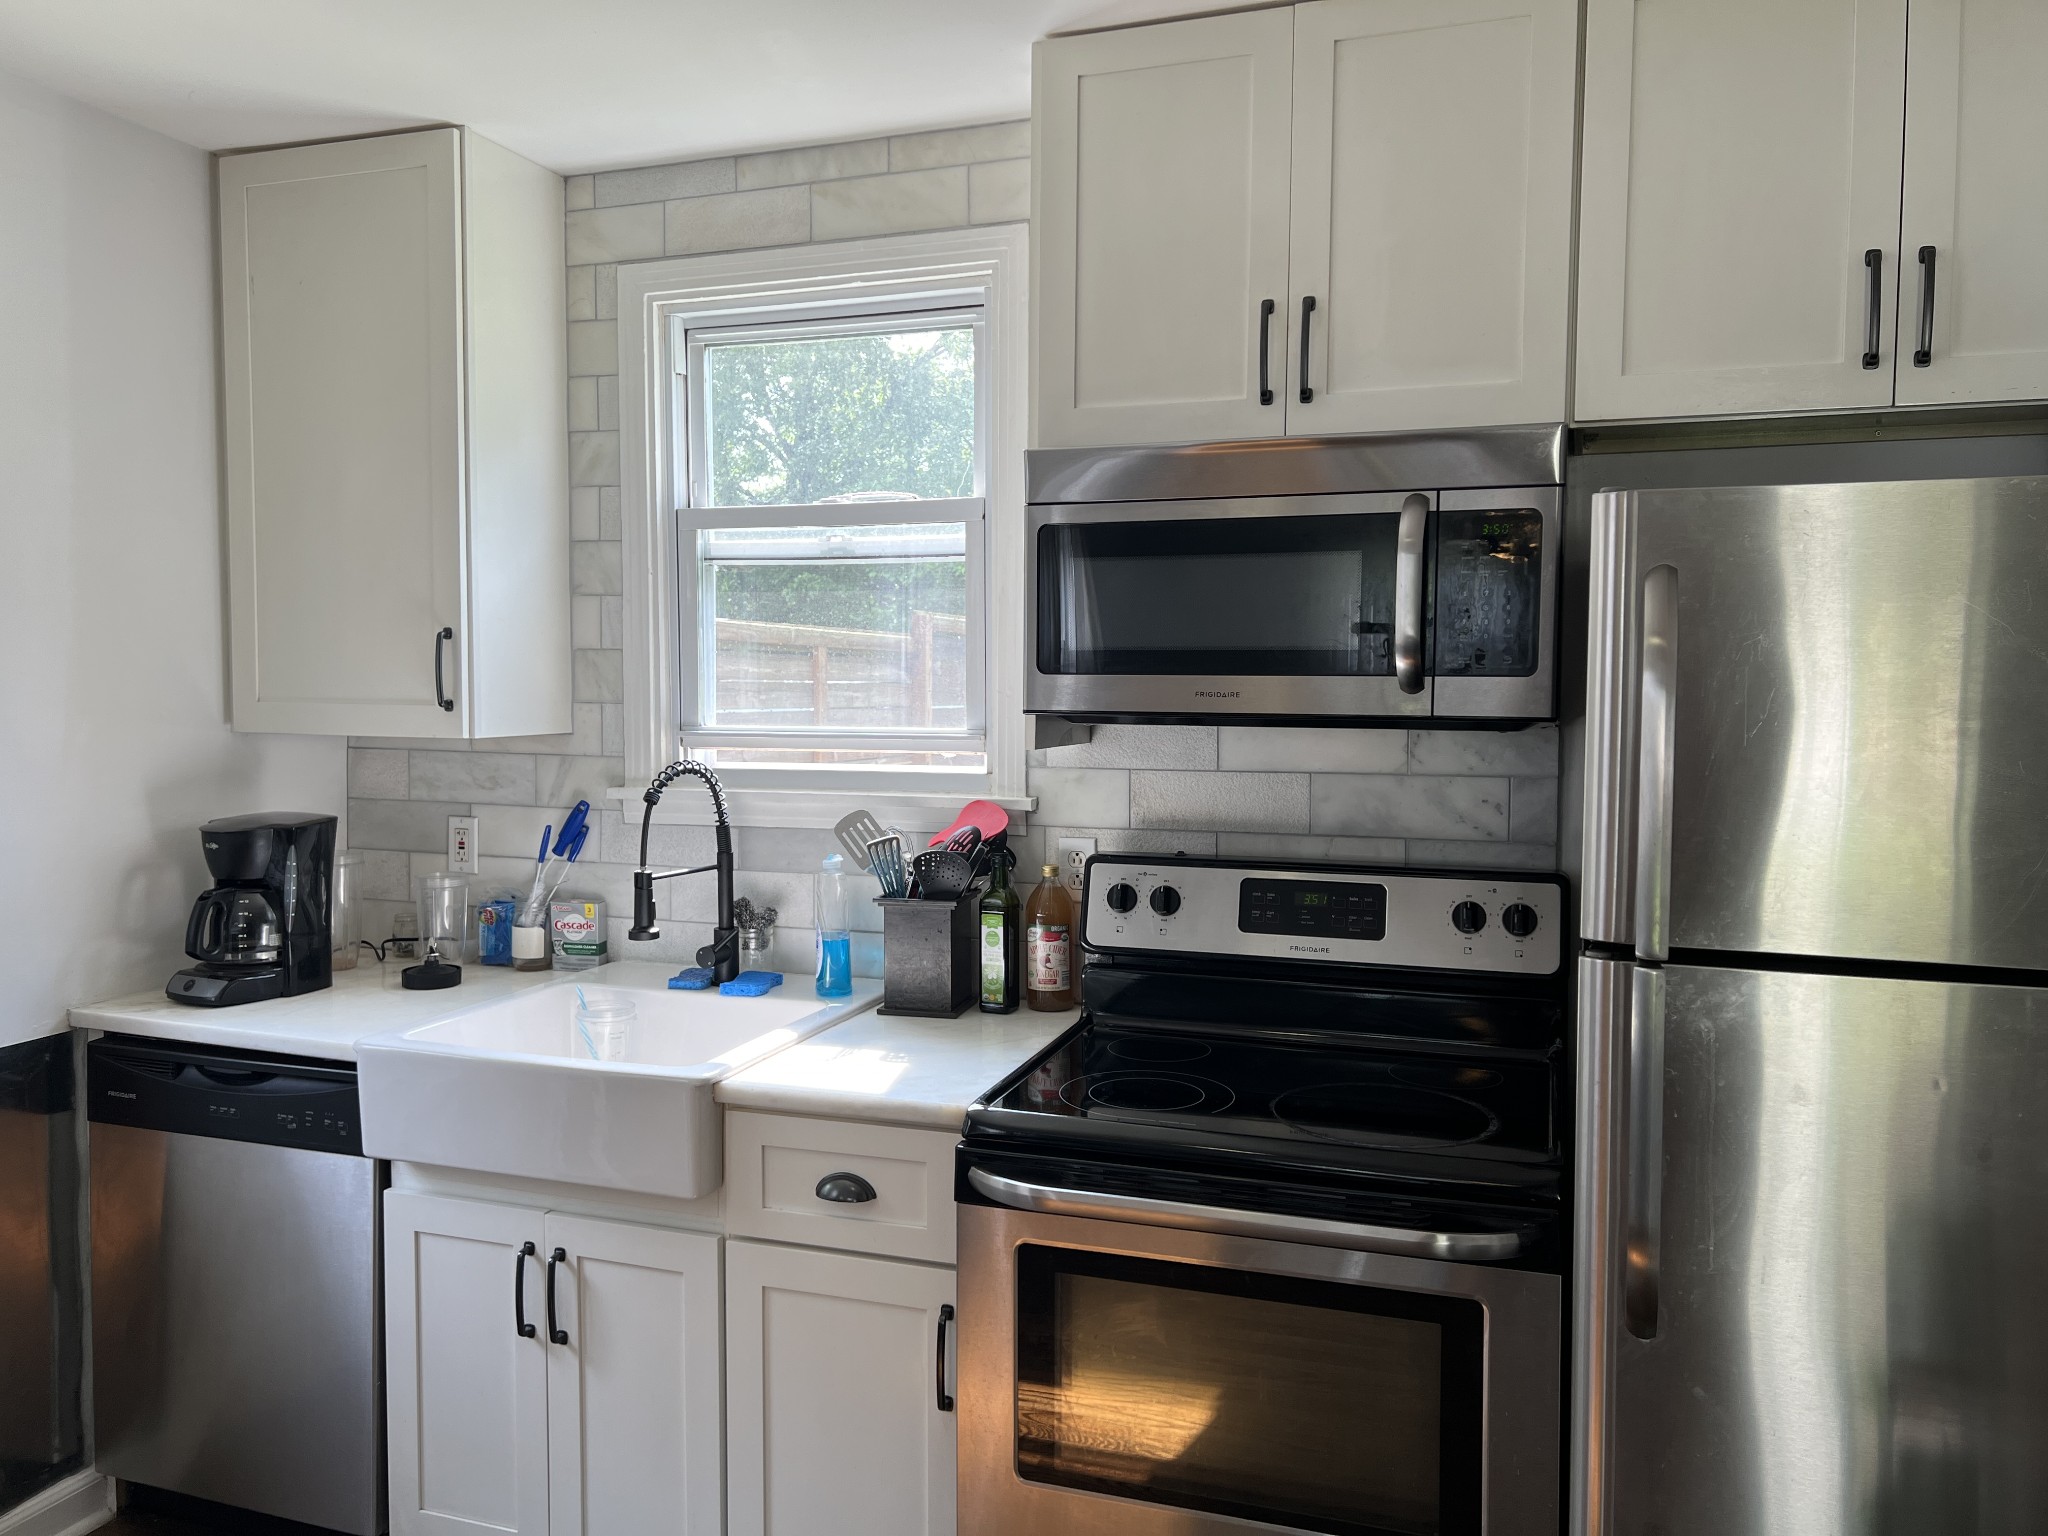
{"type": "Point", "coordinates": [1159, 1092]}
{"type": "Point", "coordinates": [1384, 1114]}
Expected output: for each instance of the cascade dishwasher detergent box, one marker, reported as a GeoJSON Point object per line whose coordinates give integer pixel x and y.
{"type": "Point", "coordinates": [577, 932]}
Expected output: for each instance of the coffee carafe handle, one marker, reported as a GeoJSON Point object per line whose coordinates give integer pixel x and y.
{"type": "Point", "coordinates": [203, 928]}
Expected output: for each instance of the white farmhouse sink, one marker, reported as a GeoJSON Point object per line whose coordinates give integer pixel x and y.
{"type": "Point", "coordinates": [508, 1087]}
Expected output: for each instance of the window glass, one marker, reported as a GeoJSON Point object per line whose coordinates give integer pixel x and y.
{"type": "Point", "coordinates": [864, 417]}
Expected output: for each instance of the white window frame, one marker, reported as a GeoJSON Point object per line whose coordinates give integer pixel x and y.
{"type": "Point", "coordinates": [696, 516]}
{"type": "Point", "coordinates": [659, 303]}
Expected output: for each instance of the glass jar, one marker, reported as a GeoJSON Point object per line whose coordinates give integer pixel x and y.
{"type": "Point", "coordinates": [344, 913]}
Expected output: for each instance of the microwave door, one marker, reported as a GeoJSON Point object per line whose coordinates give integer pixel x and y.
{"type": "Point", "coordinates": [1271, 606]}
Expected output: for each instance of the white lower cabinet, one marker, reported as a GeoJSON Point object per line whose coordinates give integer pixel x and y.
{"type": "Point", "coordinates": [836, 1366]}
{"type": "Point", "coordinates": [549, 1375]}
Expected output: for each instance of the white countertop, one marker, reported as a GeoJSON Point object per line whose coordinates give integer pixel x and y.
{"type": "Point", "coordinates": [365, 1001]}
{"type": "Point", "coordinates": [900, 1071]}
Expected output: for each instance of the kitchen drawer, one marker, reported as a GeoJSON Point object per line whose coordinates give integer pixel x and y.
{"type": "Point", "coordinates": [774, 1164]}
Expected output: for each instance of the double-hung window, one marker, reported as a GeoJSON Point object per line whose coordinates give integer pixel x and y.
{"type": "Point", "coordinates": [822, 482]}
{"type": "Point", "coordinates": [833, 542]}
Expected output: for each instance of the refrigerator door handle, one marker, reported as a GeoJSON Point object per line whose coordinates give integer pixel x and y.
{"type": "Point", "coordinates": [1643, 1164]}
{"type": "Point", "coordinates": [1410, 547]}
{"type": "Point", "coordinates": [1656, 764]}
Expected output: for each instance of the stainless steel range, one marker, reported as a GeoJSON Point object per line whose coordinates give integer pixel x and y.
{"type": "Point", "coordinates": [1274, 1237]}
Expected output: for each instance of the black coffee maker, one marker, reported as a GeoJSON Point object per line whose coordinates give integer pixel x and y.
{"type": "Point", "coordinates": [266, 928]}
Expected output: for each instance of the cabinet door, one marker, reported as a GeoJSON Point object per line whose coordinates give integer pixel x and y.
{"type": "Point", "coordinates": [1977, 200]}
{"type": "Point", "coordinates": [832, 1384]}
{"type": "Point", "coordinates": [466, 1393]}
{"type": "Point", "coordinates": [1740, 165]}
{"type": "Point", "coordinates": [633, 1401]}
{"type": "Point", "coordinates": [341, 315]}
{"type": "Point", "coordinates": [1431, 213]}
{"type": "Point", "coordinates": [1159, 230]}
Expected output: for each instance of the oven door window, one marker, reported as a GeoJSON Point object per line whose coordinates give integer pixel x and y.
{"type": "Point", "coordinates": [1353, 1410]}
{"type": "Point", "coordinates": [1255, 596]}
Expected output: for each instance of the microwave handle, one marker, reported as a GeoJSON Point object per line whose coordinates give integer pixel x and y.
{"type": "Point", "coordinates": [1093, 1205]}
{"type": "Point", "coordinates": [1411, 545]}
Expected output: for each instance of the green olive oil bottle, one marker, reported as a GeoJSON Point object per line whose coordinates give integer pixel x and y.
{"type": "Point", "coordinates": [1002, 940]}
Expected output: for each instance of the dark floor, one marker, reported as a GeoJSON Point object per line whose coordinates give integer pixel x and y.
{"type": "Point", "coordinates": [148, 1513]}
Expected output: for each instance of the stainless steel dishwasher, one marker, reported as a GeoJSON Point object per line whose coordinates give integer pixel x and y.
{"type": "Point", "coordinates": [237, 1330]}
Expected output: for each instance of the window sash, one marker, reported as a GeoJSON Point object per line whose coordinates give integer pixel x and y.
{"type": "Point", "coordinates": [692, 341]}
{"type": "Point", "coordinates": [697, 616]}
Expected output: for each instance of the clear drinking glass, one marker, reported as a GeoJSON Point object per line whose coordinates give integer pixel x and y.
{"type": "Point", "coordinates": [603, 1020]}
{"type": "Point", "coordinates": [343, 914]}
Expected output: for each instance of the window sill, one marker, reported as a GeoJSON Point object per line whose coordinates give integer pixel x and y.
{"type": "Point", "coordinates": [688, 805]}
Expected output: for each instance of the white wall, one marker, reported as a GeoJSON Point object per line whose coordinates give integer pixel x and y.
{"type": "Point", "coordinates": [114, 743]}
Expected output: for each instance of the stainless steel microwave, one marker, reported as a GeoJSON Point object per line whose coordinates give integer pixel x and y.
{"type": "Point", "coordinates": [1338, 580]}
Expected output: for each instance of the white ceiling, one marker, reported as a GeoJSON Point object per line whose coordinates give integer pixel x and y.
{"type": "Point", "coordinates": [575, 84]}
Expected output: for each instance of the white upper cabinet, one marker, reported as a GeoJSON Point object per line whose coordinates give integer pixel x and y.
{"type": "Point", "coordinates": [396, 436]}
{"type": "Point", "coordinates": [1976, 204]}
{"type": "Point", "coordinates": [1739, 204]}
{"type": "Point", "coordinates": [1431, 222]}
{"type": "Point", "coordinates": [1385, 182]}
{"type": "Point", "coordinates": [1159, 168]}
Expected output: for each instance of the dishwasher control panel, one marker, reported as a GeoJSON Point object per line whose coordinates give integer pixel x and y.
{"type": "Point", "coordinates": [193, 1090]}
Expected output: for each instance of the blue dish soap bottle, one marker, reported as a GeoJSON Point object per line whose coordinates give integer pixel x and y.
{"type": "Point", "coordinates": [835, 944]}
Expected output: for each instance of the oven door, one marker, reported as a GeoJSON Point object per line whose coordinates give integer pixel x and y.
{"type": "Point", "coordinates": [1340, 607]}
{"type": "Point", "coordinates": [1128, 1380]}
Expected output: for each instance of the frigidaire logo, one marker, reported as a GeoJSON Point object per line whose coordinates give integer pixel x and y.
{"type": "Point", "coordinates": [1310, 949]}
{"type": "Point", "coordinates": [1218, 693]}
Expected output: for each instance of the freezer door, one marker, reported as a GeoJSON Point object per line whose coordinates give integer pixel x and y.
{"type": "Point", "coordinates": [1825, 1317]}
{"type": "Point", "coordinates": [1835, 742]}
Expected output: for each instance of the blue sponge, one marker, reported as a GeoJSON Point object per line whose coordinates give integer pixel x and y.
{"type": "Point", "coordinates": [696, 979]}
{"type": "Point", "coordinates": [751, 984]}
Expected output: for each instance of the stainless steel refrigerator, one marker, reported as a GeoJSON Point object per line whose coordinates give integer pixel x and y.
{"type": "Point", "coordinates": [1812, 1280]}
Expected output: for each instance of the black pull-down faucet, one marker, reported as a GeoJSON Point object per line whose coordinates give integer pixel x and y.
{"type": "Point", "coordinates": [722, 954]}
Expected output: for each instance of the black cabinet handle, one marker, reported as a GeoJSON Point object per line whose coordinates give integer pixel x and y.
{"type": "Point", "coordinates": [1924, 353]}
{"type": "Point", "coordinates": [440, 692]}
{"type": "Point", "coordinates": [845, 1189]}
{"type": "Point", "coordinates": [945, 1325]}
{"type": "Point", "coordinates": [556, 1334]}
{"type": "Point", "coordinates": [1873, 268]}
{"type": "Point", "coordinates": [519, 1259]}
{"type": "Point", "coordinates": [1308, 307]}
{"type": "Point", "coordinates": [1266, 308]}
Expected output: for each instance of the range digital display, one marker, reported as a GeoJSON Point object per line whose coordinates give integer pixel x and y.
{"type": "Point", "coordinates": [1324, 909]}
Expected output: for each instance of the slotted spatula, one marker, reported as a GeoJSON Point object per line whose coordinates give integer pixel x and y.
{"type": "Point", "coordinates": [856, 832]}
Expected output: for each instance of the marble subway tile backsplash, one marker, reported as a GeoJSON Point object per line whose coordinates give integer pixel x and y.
{"type": "Point", "coordinates": [1392, 796]}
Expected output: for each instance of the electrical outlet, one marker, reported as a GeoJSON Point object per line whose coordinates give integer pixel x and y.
{"type": "Point", "coordinates": [1075, 852]}
{"type": "Point", "coordinates": [462, 845]}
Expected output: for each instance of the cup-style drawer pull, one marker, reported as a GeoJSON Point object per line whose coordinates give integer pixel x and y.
{"type": "Point", "coordinates": [845, 1189]}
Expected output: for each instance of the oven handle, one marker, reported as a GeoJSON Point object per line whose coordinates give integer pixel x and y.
{"type": "Point", "coordinates": [1050, 1201]}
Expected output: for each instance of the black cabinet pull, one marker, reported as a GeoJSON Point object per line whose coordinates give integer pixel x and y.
{"type": "Point", "coordinates": [845, 1189]}
{"type": "Point", "coordinates": [1266, 308]}
{"type": "Point", "coordinates": [556, 1334]}
{"type": "Point", "coordinates": [519, 1259]}
{"type": "Point", "coordinates": [1308, 307]}
{"type": "Point", "coordinates": [945, 1325]}
{"type": "Point", "coordinates": [1873, 268]}
{"type": "Point", "coordinates": [440, 692]}
{"type": "Point", "coordinates": [1924, 353]}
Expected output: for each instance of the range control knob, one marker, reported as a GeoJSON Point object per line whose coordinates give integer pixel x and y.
{"type": "Point", "coordinates": [1468, 917]}
{"type": "Point", "coordinates": [1519, 919]}
{"type": "Point", "coordinates": [1121, 897]}
{"type": "Point", "coordinates": [1165, 900]}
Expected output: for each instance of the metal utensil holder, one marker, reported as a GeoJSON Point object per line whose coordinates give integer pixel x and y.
{"type": "Point", "coordinates": [930, 962]}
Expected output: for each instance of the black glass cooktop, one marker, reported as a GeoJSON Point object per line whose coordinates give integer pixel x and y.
{"type": "Point", "coordinates": [1319, 1101]}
